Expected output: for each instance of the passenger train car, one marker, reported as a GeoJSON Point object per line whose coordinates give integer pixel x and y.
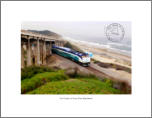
{"type": "Point", "coordinates": [79, 57]}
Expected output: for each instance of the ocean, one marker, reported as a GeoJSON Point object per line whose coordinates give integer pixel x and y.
{"type": "Point", "coordinates": [123, 46]}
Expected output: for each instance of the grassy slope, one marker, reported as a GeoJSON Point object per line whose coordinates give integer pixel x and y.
{"type": "Point", "coordinates": [76, 86]}
{"type": "Point", "coordinates": [43, 80]}
{"type": "Point", "coordinates": [40, 79]}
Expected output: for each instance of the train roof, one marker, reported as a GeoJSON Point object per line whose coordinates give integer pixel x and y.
{"type": "Point", "coordinates": [70, 50]}
{"type": "Point", "coordinates": [64, 48]}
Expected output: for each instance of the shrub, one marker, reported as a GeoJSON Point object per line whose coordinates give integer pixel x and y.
{"type": "Point", "coordinates": [81, 75]}
{"type": "Point", "coordinates": [95, 61]}
{"type": "Point", "coordinates": [108, 82]}
{"type": "Point", "coordinates": [74, 47]}
{"type": "Point", "coordinates": [76, 73]}
{"type": "Point", "coordinates": [29, 72]}
{"type": "Point", "coordinates": [41, 79]}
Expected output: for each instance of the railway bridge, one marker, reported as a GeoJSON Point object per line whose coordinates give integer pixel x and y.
{"type": "Point", "coordinates": [36, 48]}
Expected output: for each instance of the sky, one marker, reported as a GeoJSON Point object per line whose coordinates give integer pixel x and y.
{"type": "Point", "coordinates": [76, 29]}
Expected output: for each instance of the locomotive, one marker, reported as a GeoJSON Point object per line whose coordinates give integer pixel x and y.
{"type": "Point", "coordinates": [79, 57]}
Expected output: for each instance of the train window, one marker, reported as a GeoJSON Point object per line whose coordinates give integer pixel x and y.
{"type": "Point", "coordinates": [85, 55]}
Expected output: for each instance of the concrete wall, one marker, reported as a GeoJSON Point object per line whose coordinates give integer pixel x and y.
{"type": "Point", "coordinates": [34, 51]}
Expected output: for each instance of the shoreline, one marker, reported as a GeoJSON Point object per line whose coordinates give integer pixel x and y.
{"type": "Point", "coordinates": [104, 54]}
{"type": "Point", "coordinates": [100, 46]}
{"type": "Point", "coordinates": [110, 62]}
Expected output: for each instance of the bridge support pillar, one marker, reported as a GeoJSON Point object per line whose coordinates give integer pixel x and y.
{"type": "Point", "coordinates": [29, 53]}
{"type": "Point", "coordinates": [50, 49]}
{"type": "Point", "coordinates": [38, 52]}
{"type": "Point", "coordinates": [44, 52]}
{"type": "Point", "coordinates": [22, 56]}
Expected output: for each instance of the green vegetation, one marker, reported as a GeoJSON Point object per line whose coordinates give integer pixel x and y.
{"type": "Point", "coordinates": [40, 79]}
{"type": "Point", "coordinates": [43, 80]}
{"type": "Point", "coordinates": [74, 73]}
{"type": "Point", "coordinates": [94, 61]}
{"type": "Point", "coordinates": [76, 86]}
{"type": "Point", "coordinates": [29, 72]}
{"type": "Point", "coordinates": [69, 45]}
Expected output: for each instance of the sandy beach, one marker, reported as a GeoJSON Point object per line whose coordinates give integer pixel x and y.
{"type": "Point", "coordinates": [109, 56]}
{"type": "Point", "coordinates": [104, 54]}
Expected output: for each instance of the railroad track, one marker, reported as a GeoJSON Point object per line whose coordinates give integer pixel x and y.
{"type": "Point", "coordinates": [98, 73]}
{"type": "Point", "coordinates": [121, 85]}
{"type": "Point", "coordinates": [95, 71]}
{"type": "Point", "coordinates": [101, 75]}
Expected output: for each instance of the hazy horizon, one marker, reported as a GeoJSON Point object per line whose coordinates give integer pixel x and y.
{"type": "Point", "coordinates": [76, 28]}
{"type": "Point", "coordinates": [92, 31]}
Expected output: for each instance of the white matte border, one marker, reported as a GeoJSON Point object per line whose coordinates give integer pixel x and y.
{"type": "Point", "coordinates": [137, 104]}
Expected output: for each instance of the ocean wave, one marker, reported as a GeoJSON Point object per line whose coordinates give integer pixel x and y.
{"type": "Point", "coordinates": [120, 44]}
{"type": "Point", "coordinates": [117, 47]}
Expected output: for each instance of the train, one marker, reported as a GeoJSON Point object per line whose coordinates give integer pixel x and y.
{"type": "Point", "coordinates": [80, 57]}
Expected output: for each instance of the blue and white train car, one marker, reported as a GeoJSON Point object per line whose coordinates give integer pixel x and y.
{"type": "Point", "coordinates": [79, 57]}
